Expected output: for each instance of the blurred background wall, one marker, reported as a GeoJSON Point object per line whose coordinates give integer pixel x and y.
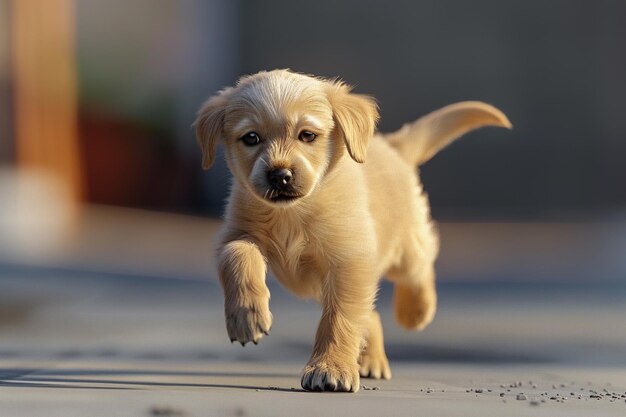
{"type": "Point", "coordinates": [556, 68]}
{"type": "Point", "coordinates": [145, 67]}
{"type": "Point", "coordinates": [5, 91]}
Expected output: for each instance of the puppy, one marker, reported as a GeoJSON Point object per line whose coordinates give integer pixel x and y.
{"type": "Point", "coordinates": [331, 207]}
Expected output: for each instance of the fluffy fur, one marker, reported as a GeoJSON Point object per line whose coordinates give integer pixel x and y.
{"type": "Point", "coordinates": [353, 211]}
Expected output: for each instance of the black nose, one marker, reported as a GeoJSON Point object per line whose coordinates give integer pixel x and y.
{"type": "Point", "coordinates": [279, 178]}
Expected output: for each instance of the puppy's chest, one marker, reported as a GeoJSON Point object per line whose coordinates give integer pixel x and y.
{"type": "Point", "coordinates": [295, 255]}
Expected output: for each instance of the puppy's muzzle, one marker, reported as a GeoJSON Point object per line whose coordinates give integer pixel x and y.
{"type": "Point", "coordinates": [280, 179]}
{"type": "Point", "coordinates": [282, 186]}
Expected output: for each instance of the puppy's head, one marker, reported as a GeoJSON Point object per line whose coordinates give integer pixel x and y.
{"type": "Point", "coordinates": [283, 131]}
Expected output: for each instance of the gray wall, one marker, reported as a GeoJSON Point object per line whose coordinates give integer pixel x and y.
{"type": "Point", "coordinates": [557, 68]}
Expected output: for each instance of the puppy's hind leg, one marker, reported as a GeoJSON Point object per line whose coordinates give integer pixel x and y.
{"type": "Point", "coordinates": [415, 295]}
{"type": "Point", "coordinates": [373, 361]}
{"type": "Point", "coordinates": [415, 298]}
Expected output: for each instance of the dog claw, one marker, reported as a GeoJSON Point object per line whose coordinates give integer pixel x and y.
{"type": "Point", "coordinates": [328, 376]}
{"type": "Point", "coordinates": [247, 323]}
{"type": "Point", "coordinates": [330, 386]}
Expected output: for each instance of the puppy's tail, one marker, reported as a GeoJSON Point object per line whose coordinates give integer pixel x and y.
{"type": "Point", "coordinates": [419, 141]}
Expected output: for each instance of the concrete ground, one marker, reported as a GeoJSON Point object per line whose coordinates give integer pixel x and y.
{"type": "Point", "coordinates": [111, 329]}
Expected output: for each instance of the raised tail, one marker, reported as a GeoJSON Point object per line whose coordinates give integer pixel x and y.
{"type": "Point", "coordinates": [419, 141]}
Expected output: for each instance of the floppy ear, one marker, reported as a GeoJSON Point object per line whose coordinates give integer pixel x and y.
{"type": "Point", "coordinates": [355, 117]}
{"type": "Point", "coordinates": [209, 123]}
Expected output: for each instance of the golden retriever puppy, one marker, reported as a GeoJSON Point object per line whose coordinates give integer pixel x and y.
{"type": "Point", "coordinates": [331, 207]}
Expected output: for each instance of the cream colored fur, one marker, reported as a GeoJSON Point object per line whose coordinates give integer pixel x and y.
{"type": "Point", "coordinates": [356, 212]}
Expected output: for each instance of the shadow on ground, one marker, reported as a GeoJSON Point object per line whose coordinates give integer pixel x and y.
{"type": "Point", "coordinates": [124, 379]}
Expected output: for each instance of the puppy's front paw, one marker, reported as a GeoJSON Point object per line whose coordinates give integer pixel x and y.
{"type": "Point", "coordinates": [329, 375]}
{"type": "Point", "coordinates": [374, 364]}
{"type": "Point", "coordinates": [248, 322]}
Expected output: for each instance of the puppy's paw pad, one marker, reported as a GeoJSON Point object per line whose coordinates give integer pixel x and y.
{"type": "Point", "coordinates": [374, 365]}
{"type": "Point", "coordinates": [324, 375]}
{"type": "Point", "coordinates": [248, 323]}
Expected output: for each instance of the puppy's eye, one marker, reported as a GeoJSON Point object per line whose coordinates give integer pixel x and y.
{"type": "Point", "coordinates": [251, 139]}
{"type": "Point", "coordinates": [306, 136]}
